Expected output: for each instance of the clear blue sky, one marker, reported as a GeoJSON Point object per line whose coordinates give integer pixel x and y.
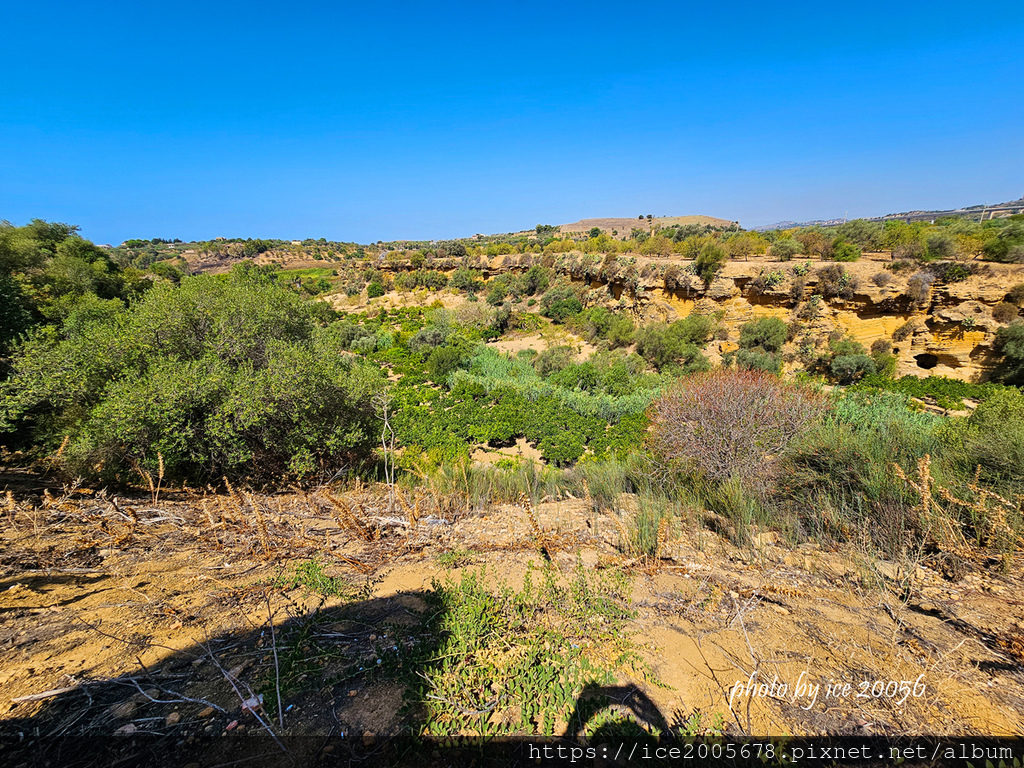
{"type": "Point", "coordinates": [430, 120]}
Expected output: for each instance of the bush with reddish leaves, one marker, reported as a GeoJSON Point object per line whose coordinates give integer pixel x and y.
{"type": "Point", "coordinates": [729, 424]}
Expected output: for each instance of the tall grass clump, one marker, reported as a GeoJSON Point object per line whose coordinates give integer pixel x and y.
{"type": "Point", "coordinates": [840, 476]}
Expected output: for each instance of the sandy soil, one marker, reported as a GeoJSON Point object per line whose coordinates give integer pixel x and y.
{"type": "Point", "coordinates": [128, 635]}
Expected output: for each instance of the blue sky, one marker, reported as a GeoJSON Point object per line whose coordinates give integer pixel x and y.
{"type": "Point", "coordinates": [429, 120]}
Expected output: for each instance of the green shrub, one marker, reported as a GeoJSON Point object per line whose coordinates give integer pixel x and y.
{"type": "Point", "coordinates": [1010, 342]}
{"type": "Point", "coordinates": [950, 271]}
{"type": "Point", "coordinates": [769, 333]}
{"type": "Point", "coordinates": [560, 303]}
{"type": "Point", "coordinates": [905, 331]}
{"type": "Point", "coordinates": [839, 480]}
{"type": "Point", "coordinates": [757, 359]}
{"type": "Point", "coordinates": [373, 290]}
{"type": "Point", "coordinates": [993, 437]}
{"type": "Point", "coordinates": [443, 360]}
{"type": "Point", "coordinates": [1016, 295]}
{"type": "Point", "coordinates": [947, 393]}
{"type": "Point", "coordinates": [846, 369]}
{"type": "Point", "coordinates": [662, 345]}
{"type": "Point", "coordinates": [464, 279]}
{"type": "Point", "coordinates": [222, 375]}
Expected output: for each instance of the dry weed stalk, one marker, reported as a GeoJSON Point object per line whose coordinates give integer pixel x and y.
{"type": "Point", "coordinates": [205, 504]}
{"type": "Point", "coordinates": [662, 537]}
{"type": "Point", "coordinates": [997, 531]}
{"type": "Point", "coordinates": [145, 475]}
{"type": "Point", "coordinates": [349, 519]}
{"type": "Point", "coordinates": [261, 523]}
{"type": "Point", "coordinates": [938, 524]}
{"type": "Point", "coordinates": [538, 533]}
{"type": "Point", "coordinates": [412, 513]}
{"type": "Point", "coordinates": [626, 547]}
{"type": "Point", "coordinates": [63, 446]}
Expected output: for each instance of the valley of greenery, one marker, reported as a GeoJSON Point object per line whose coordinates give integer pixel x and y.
{"type": "Point", "coordinates": [258, 366]}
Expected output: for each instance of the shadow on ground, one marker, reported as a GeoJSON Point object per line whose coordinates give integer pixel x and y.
{"type": "Point", "coordinates": [351, 682]}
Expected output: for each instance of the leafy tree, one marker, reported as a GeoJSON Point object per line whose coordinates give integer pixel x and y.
{"type": "Point", "coordinates": [711, 259]}
{"type": "Point", "coordinates": [844, 251]}
{"type": "Point", "coordinates": [866, 234]}
{"type": "Point", "coordinates": [374, 290]}
{"type": "Point", "coordinates": [465, 279]}
{"type": "Point", "coordinates": [1008, 245]}
{"type": "Point", "coordinates": [785, 249]}
{"type": "Point", "coordinates": [15, 318]}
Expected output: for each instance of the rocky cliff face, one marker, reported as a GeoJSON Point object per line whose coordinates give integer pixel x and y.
{"type": "Point", "coordinates": [945, 329]}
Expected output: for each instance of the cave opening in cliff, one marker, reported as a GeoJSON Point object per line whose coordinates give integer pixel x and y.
{"type": "Point", "coordinates": [926, 361]}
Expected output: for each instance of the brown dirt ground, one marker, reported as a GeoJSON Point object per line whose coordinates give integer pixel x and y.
{"type": "Point", "coordinates": [90, 601]}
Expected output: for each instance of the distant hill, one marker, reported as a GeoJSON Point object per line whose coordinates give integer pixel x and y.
{"type": "Point", "coordinates": [624, 225]}
{"type": "Point", "coordinates": [980, 212]}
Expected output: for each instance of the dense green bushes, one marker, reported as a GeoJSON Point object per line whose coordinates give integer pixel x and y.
{"type": "Point", "coordinates": [1010, 342]}
{"type": "Point", "coordinates": [678, 344]}
{"type": "Point", "coordinates": [947, 393]}
{"type": "Point", "coordinates": [231, 376]}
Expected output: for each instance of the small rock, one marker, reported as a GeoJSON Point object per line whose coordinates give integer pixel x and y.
{"type": "Point", "coordinates": [149, 695]}
{"type": "Point", "coordinates": [369, 738]}
{"type": "Point", "coordinates": [126, 730]}
{"type": "Point", "coordinates": [328, 749]}
{"type": "Point", "coordinates": [353, 693]}
{"type": "Point", "coordinates": [927, 607]}
{"type": "Point", "coordinates": [207, 712]}
{"type": "Point", "coordinates": [125, 710]}
{"type": "Point", "coordinates": [781, 610]}
{"type": "Point", "coordinates": [172, 719]}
